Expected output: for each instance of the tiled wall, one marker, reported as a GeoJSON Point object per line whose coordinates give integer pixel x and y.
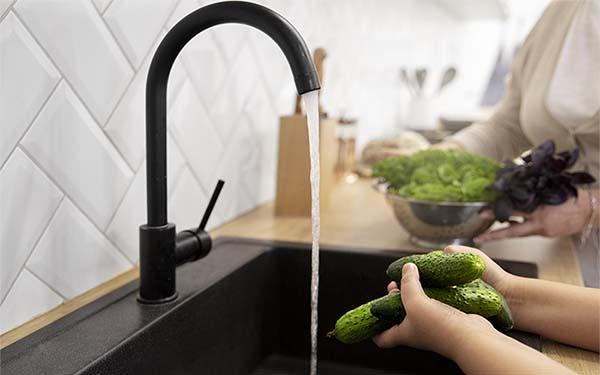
{"type": "Point", "coordinates": [72, 77]}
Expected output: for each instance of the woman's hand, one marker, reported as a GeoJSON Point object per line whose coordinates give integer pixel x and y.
{"type": "Point", "coordinates": [430, 324]}
{"type": "Point", "coordinates": [565, 219]}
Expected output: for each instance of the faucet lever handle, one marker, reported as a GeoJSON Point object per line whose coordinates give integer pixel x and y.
{"type": "Point", "coordinates": [211, 206]}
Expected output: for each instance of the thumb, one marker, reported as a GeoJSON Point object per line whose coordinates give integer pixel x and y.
{"type": "Point", "coordinates": [411, 290]}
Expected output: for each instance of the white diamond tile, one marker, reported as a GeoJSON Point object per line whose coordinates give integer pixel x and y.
{"type": "Point", "coordinates": [259, 109]}
{"type": "Point", "coordinates": [267, 173]}
{"type": "Point", "coordinates": [123, 229]}
{"type": "Point", "coordinates": [231, 99]}
{"type": "Point", "coordinates": [285, 101]}
{"type": "Point", "coordinates": [232, 168]}
{"type": "Point", "coordinates": [66, 142]}
{"type": "Point", "coordinates": [28, 200]}
{"type": "Point", "coordinates": [27, 78]}
{"type": "Point", "coordinates": [4, 5]}
{"type": "Point", "coordinates": [177, 77]}
{"type": "Point", "coordinates": [73, 256]}
{"type": "Point", "coordinates": [195, 133]}
{"type": "Point", "coordinates": [230, 38]}
{"type": "Point", "coordinates": [126, 127]}
{"type": "Point", "coordinates": [250, 173]}
{"type": "Point", "coordinates": [101, 4]}
{"type": "Point", "coordinates": [183, 8]}
{"type": "Point", "coordinates": [205, 66]}
{"type": "Point", "coordinates": [27, 299]}
{"type": "Point", "coordinates": [187, 203]}
{"type": "Point", "coordinates": [271, 62]}
{"type": "Point", "coordinates": [77, 40]}
{"type": "Point", "coordinates": [137, 23]}
{"type": "Point", "coordinates": [265, 123]}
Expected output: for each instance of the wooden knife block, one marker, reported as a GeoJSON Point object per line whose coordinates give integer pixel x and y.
{"type": "Point", "coordinates": [293, 168]}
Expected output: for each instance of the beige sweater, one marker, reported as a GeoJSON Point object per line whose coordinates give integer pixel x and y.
{"type": "Point", "coordinates": [522, 119]}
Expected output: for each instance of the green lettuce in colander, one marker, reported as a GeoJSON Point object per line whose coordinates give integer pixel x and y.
{"type": "Point", "coordinates": [440, 176]}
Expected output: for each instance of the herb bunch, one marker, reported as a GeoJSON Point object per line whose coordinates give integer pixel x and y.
{"type": "Point", "coordinates": [540, 179]}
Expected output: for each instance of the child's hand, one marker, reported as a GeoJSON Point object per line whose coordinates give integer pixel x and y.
{"type": "Point", "coordinates": [430, 324]}
{"type": "Point", "coordinates": [494, 275]}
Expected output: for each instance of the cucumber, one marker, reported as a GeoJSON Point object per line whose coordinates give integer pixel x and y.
{"type": "Point", "coordinates": [378, 315]}
{"type": "Point", "coordinates": [467, 298]}
{"type": "Point", "coordinates": [503, 320]}
{"type": "Point", "coordinates": [439, 269]}
{"type": "Point", "coordinates": [359, 324]}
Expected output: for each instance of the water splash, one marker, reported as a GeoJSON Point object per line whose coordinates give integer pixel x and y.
{"type": "Point", "coordinates": [311, 103]}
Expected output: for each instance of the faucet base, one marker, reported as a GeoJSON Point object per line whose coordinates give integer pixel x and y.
{"type": "Point", "coordinates": [145, 301]}
{"type": "Point", "coordinates": [157, 264]}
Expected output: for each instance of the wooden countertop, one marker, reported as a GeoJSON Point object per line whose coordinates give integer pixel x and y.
{"type": "Point", "coordinates": [359, 216]}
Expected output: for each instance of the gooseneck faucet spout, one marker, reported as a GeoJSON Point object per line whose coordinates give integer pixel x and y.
{"type": "Point", "coordinates": [160, 246]}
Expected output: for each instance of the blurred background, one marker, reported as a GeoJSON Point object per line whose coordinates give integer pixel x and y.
{"type": "Point", "coordinates": [72, 79]}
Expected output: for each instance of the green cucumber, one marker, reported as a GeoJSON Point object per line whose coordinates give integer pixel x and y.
{"type": "Point", "coordinates": [359, 324]}
{"type": "Point", "coordinates": [466, 298]}
{"type": "Point", "coordinates": [503, 320]}
{"type": "Point", "coordinates": [376, 316]}
{"type": "Point", "coordinates": [439, 269]}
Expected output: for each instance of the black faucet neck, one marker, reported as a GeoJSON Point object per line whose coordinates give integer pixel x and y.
{"type": "Point", "coordinates": [264, 19]}
{"type": "Point", "coordinates": [161, 248]}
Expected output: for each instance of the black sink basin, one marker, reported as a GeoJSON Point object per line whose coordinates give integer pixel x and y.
{"type": "Point", "coordinates": [244, 309]}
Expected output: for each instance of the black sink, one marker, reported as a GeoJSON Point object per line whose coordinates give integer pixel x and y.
{"type": "Point", "coordinates": [244, 309]}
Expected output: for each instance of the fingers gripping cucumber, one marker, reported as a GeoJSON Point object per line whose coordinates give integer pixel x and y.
{"type": "Point", "coordinates": [467, 298]}
{"type": "Point", "coordinates": [359, 324]}
{"type": "Point", "coordinates": [503, 320]}
{"type": "Point", "coordinates": [439, 269]}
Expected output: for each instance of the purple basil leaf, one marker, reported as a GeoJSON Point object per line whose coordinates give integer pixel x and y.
{"type": "Point", "coordinates": [570, 157]}
{"type": "Point", "coordinates": [521, 193]}
{"type": "Point", "coordinates": [542, 152]}
{"type": "Point", "coordinates": [578, 178]}
{"type": "Point", "coordinates": [542, 179]}
{"type": "Point", "coordinates": [503, 208]}
{"type": "Point", "coordinates": [554, 196]}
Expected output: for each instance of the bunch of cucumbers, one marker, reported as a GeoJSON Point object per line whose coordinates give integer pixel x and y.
{"type": "Point", "coordinates": [453, 279]}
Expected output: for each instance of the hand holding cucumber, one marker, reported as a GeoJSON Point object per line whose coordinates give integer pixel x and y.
{"type": "Point", "coordinates": [429, 324]}
{"type": "Point", "coordinates": [413, 315]}
{"type": "Point", "coordinates": [449, 277]}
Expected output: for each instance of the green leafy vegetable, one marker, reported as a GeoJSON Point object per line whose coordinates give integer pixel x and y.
{"type": "Point", "coordinates": [440, 176]}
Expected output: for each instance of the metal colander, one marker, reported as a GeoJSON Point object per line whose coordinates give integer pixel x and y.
{"type": "Point", "coordinates": [438, 224]}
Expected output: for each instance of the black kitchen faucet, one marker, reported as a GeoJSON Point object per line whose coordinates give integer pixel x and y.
{"type": "Point", "coordinates": [161, 247]}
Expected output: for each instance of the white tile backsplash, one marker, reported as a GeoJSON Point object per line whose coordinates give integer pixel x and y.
{"type": "Point", "coordinates": [28, 298]}
{"type": "Point", "coordinates": [188, 202]}
{"type": "Point", "coordinates": [28, 200]}
{"type": "Point", "coordinates": [137, 23]}
{"type": "Point", "coordinates": [230, 38]}
{"type": "Point", "coordinates": [195, 133]}
{"type": "Point", "coordinates": [72, 119]}
{"type": "Point", "coordinates": [73, 255]}
{"type": "Point", "coordinates": [132, 211]}
{"type": "Point", "coordinates": [101, 4]}
{"type": "Point", "coordinates": [4, 5]}
{"type": "Point", "coordinates": [27, 78]}
{"type": "Point", "coordinates": [205, 66]}
{"type": "Point", "coordinates": [67, 143]}
{"type": "Point", "coordinates": [126, 126]}
{"type": "Point", "coordinates": [77, 40]}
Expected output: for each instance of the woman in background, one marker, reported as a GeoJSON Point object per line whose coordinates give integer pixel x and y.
{"type": "Point", "coordinates": [553, 93]}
